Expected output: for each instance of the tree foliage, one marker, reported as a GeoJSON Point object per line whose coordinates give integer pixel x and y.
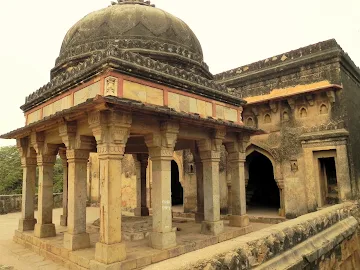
{"type": "Point", "coordinates": [11, 172]}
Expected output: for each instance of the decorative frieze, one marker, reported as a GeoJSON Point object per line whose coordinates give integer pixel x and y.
{"type": "Point", "coordinates": [111, 86]}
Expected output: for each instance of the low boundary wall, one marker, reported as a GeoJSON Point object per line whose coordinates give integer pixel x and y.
{"type": "Point", "coordinates": [326, 239]}
{"type": "Point", "coordinates": [12, 203]}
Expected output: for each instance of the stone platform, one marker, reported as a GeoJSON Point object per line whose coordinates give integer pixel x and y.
{"type": "Point", "coordinates": [139, 254]}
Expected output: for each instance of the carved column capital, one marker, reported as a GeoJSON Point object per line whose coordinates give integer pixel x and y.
{"type": "Point", "coordinates": [77, 155]}
{"type": "Point", "coordinates": [106, 150]}
{"type": "Point", "coordinates": [110, 127]}
{"type": "Point", "coordinates": [166, 137]}
{"type": "Point", "coordinates": [43, 148]}
{"type": "Point", "coordinates": [27, 154]}
{"type": "Point", "coordinates": [239, 145]}
{"type": "Point", "coordinates": [46, 160]}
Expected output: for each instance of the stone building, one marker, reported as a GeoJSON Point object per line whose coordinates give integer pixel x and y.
{"type": "Point", "coordinates": [305, 100]}
{"type": "Point", "coordinates": [142, 125]}
{"type": "Point", "coordinates": [129, 79]}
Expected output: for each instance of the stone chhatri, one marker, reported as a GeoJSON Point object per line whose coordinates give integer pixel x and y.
{"type": "Point", "coordinates": [136, 26]}
{"type": "Point", "coordinates": [138, 2]}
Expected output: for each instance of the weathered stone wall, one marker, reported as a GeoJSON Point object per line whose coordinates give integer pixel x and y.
{"type": "Point", "coordinates": [294, 113]}
{"type": "Point", "coordinates": [12, 203]}
{"type": "Point", "coordinates": [351, 111]}
{"type": "Point", "coordinates": [326, 239]}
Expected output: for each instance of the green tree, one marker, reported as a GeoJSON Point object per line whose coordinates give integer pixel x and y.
{"type": "Point", "coordinates": [11, 172]}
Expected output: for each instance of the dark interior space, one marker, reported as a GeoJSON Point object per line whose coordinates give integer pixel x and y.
{"type": "Point", "coordinates": [177, 192]}
{"type": "Point", "coordinates": [328, 170]}
{"type": "Point", "coordinates": [262, 190]}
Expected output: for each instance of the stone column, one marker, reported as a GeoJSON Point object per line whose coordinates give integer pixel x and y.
{"type": "Point", "coordinates": [77, 153]}
{"type": "Point", "coordinates": [46, 156]}
{"type": "Point", "coordinates": [280, 184]}
{"type": "Point", "coordinates": [343, 172]}
{"type": "Point", "coordinates": [199, 215]}
{"type": "Point", "coordinates": [141, 164]}
{"type": "Point", "coordinates": [236, 158]}
{"type": "Point", "coordinates": [111, 131]}
{"type": "Point", "coordinates": [64, 216]}
{"type": "Point", "coordinates": [210, 156]}
{"type": "Point", "coordinates": [76, 236]}
{"type": "Point", "coordinates": [28, 163]}
{"type": "Point", "coordinates": [161, 149]}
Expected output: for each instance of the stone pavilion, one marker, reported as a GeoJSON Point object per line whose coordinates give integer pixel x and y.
{"type": "Point", "coordinates": [129, 79]}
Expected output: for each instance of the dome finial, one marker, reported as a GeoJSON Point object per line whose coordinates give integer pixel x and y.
{"type": "Point", "coordinates": [138, 2]}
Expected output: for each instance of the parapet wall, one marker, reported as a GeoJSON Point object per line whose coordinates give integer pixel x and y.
{"type": "Point", "coordinates": [12, 203]}
{"type": "Point", "coordinates": [326, 239]}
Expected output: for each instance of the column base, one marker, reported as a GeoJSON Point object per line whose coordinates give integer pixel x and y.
{"type": "Point", "coordinates": [108, 254]}
{"type": "Point", "coordinates": [76, 241]}
{"type": "Point", "coordinates": [239, 221]}
{"type": "Point", "coordinates": [199, 217]}
{"type": "Point", "coordinates": [162, 241]}
{"type": "Point", "coordinates": [212, 228]}
{"type": "Point", "coordinates": [27, 224]}
{"type": "Point", "coordinates": [63, 220]}
{"type": "Point", "coordinates": [44, 230]}
{"type": "Point", "coordinates": [141, 212]}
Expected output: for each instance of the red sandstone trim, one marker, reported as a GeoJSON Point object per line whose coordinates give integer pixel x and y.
{"type": "Point", "coordinates": [166, 97]}
{"type": "Point", "coordinates": [214, 109]}
{"type": "Point", "coordinates": [120, 87]}
{"type": "Point", "coordinates": [102, 85]}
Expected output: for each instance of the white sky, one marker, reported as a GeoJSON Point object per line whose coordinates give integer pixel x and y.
{"type": "Point", "coordinates": [232, 33]}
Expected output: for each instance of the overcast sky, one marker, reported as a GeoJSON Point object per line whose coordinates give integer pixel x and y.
{"type": "Point", "coordinates": [232, 33]}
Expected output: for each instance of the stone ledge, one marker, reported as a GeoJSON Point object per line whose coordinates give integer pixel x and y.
{"type": "Point", "coordinates": [255, 249]}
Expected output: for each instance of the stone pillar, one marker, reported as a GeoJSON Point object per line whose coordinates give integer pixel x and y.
{"type": "Point", "coordinates": [76, 236]}
{"type": "Point", "coordinates": [111, 131]}
{"type": "Point", "coordinates": [161, 149]}
{"type": "Point", "coordinates": [236, 158]}
{"type": "Point", "coordinates": [28, 163]}
{"type": "Point", "coordinates": [141, 164]}
{"type": "Point", "coordinates": [199, 215]}
{"type": "Point", "coordinates": [64, 216]}
{"type": "Point", "coordinates": [280, 184]}
{"type": "Point", "coordinates": [210, 156]}
{"type": "Point", "coordinates": [343, 172]}
{"type": "Point", "coordinates": [77, 153]}
{"type": "Point", "coordinates": [46, 156]}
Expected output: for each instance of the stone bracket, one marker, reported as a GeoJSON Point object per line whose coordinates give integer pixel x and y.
{"type": "Point", "coordinates": [273, 106]}
{"type": "Point", "coordinates": [310, 99]}
{"type": "Point", "coordinates": [331, 95]}
{"type": "Point", "coordinates": [291, 102]}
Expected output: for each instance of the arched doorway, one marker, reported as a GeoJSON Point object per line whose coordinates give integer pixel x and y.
{"type": "Point", "coordinates": [262, 191]}
{"type": "Point", "coordinates": [177, 192]}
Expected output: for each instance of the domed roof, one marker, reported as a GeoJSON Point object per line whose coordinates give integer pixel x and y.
{"type": "Point", "coordinates": [136, 26]}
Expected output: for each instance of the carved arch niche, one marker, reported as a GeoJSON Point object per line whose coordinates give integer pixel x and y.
{"type": "Point", "coordinates": [324, 109]}
{"type": "Point", "coordinates": [303, 113]}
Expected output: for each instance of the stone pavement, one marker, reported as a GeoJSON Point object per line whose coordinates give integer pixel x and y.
{"type": "Point", "coordinates": [16, 257]}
